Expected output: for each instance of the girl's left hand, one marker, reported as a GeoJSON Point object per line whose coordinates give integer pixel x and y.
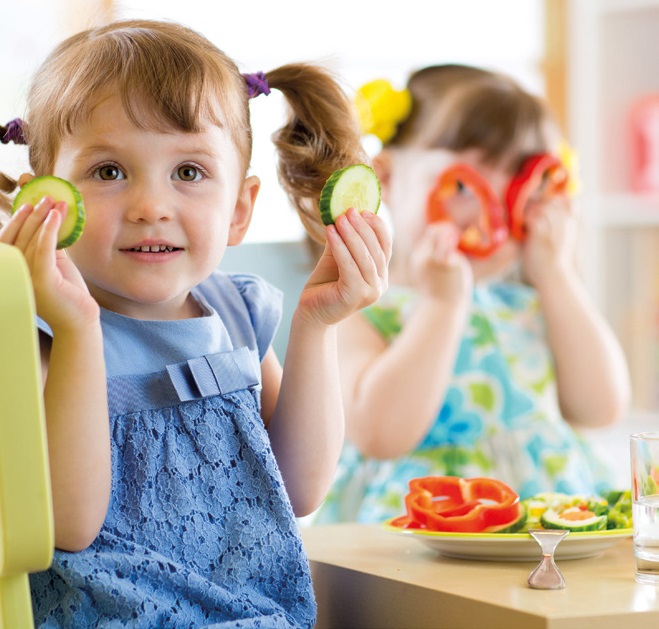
{"type": "Point", "coordinates": [550, 243]}
{"type": "Point", "coordinates": [353, 270]}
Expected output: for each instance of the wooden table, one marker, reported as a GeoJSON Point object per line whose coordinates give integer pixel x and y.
{"type": "Point", "coordinates": [365, 576]}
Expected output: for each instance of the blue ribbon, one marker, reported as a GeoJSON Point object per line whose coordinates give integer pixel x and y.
{"type": "Point", "coordinates": [215, 374]}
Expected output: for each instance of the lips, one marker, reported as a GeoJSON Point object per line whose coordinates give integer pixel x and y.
{"type": "Point", "coordinates": [153, 249]}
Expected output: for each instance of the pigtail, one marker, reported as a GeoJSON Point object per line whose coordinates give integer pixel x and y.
{"type": "Point", "coordinates": [320, 136]}
{"type": "Point", "coordinates": [7, 186]}
{"type": "Point", "coordinates": [13, 131]}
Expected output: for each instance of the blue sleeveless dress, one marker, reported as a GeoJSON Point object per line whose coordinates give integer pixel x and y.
{"type": "Point", "coordinates": [199, 530]}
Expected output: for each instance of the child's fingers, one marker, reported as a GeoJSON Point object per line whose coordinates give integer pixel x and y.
{"type": "Point", "coordinates": [33, 222]}
{"type": "Point", "coordinates": [359, 283]}
{"type": "Point", "coordinates": [442, 240]}
{"type": "Point", "coordinates": [364, 226]}
{"type": "Point", "coordinates": [381, 232]}
{"type": "Point", "coordinates": [10, 231]}
{"type": "Point", "coordinates": [43, 248]}
{"type": "Point", "coordinates": [368, 257]}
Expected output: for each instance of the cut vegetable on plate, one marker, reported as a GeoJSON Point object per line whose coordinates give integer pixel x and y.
{"type": "Point", "coordinates": [485, 505]}
{"type": "Point", "coordinates": [60, 190]}
{"type": "Point", "coordinates": [355, 186]}
{"type": "Point", "coordinates": [464, 505]}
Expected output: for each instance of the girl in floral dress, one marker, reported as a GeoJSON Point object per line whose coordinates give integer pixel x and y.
{"type": "Point", "coordinates": [460, 369]}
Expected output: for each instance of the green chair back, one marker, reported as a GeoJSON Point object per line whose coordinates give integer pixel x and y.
{"type": "Point", "coordinates": [26, 520]}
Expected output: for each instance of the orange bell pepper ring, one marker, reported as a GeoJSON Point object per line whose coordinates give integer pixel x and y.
{"type": "Point", "coordinates": [543, 173]}
{"type": "Point", "coordinates": [459, 505]}
{"type": "Point", "coordinates": [490, 231]}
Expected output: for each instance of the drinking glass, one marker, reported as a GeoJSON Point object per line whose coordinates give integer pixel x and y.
{"type": "Point", "coordinates": [645, 505]}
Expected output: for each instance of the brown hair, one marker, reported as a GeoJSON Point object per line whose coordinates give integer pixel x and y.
{"type": "Point", "coordinates": [458, 107]}
{"type": "Point", "coordinates": [171, 77]}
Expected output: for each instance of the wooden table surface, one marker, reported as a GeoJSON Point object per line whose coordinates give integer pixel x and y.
{"type": "Point", "coordinates": [365, 576]}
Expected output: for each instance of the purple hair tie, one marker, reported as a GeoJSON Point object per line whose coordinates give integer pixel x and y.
{"type": "Point", "coordinates": [256, 84]}
{"type": "Point", "coordinates": [13, 132]}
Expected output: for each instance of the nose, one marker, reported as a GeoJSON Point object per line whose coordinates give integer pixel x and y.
{"type": "Point", "coordinates": [148, 202]}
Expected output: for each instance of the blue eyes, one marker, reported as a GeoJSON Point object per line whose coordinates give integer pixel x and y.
{"type": "Point", "coordinates": [112, 172]}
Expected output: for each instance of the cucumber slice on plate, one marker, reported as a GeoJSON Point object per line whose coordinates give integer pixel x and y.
{"type": "Point", "coordinates": [573, 519]}
{"type": "Point", "coordinates": [60, 190]}
{"type": "Point", "coordinates": [355, 186]}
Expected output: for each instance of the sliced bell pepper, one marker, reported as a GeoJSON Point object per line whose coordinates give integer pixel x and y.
{"type": "Point", "coordinates": [459, 505]}
{"type": "Point", "coordinates": [542, 171]}
{"type": "Point", "coordinates": [480, 239]}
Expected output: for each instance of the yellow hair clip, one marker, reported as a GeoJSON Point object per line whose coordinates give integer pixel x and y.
{"type": "Point", "coordinates": [381, 108]}
{"type": "Point", "coordinates": [568, 157]}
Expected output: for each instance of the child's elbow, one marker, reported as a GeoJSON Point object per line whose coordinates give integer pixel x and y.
{"type": "Point", "coordinates": [617, 405]}
{"type": "Point", "coordinates": [77, 536]}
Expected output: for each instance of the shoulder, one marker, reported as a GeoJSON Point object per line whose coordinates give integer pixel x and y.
{"type": "Point", "coordinates": [235, 295]}
{"type": "Point", "coordinates": [256, 293]}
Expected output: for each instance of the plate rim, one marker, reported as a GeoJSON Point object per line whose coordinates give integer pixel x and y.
{"type": "Point", "coordinates": [510, 537]}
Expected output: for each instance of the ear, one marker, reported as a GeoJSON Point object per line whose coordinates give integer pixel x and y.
{"type": "Point", "coordinates": [242, 213]}
{"type": "Point", "coordinates": [382, 168]}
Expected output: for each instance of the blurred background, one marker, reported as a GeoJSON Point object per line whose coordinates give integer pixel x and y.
{"type": "Point", "coordinates": [593, 59]}
{"type": "Point", "coordinates": [360, 41]}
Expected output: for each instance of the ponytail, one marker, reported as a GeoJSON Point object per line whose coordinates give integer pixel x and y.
{"type": "Point", "coordinates": [320, 136]}
{"type": "Point", "coordinates": [7, 186]}
{"type": "Point", "coordinates": [13, 131]}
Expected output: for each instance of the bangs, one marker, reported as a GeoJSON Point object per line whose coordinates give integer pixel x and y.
{"type": "Point", "coordinates": [167, 81]}
{"type": "Point", "coordinates": [161, 87]}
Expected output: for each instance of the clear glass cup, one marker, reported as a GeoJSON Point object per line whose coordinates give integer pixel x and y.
{"type": "Point", "coordinates": [645, 505]}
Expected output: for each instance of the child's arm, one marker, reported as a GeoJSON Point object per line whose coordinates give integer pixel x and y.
{"type": "Point", "coordinates": [75, 388]}
{"type": "Point", "coordinates": [307, 425]}
{"type": "Point", "coordinates": [393, 393]}
{"type": "Point", "coordinates": [591, 371]}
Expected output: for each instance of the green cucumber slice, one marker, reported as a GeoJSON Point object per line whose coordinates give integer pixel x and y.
{"type": "Point", "coordinates": [355, 186]}
{"type": "Point", "coordinates": [60, 190]}
{"type": "Point", "coordinates": [552, 519]}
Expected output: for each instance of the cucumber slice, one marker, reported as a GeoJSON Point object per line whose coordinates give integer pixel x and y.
{"type": "Point", "coordinates": [552, 519]}
{"type": "Point", "coordinates": [60, 190]}
{"type": "Point", "coordinates": [355, 186]}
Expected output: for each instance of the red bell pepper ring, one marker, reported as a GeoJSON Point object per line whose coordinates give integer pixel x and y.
{"type": "Point", "coordinates": [459, 505]}
{"type": "Point", "coordinates": [478, 240]}
{"type": "Point", "coordinates": [539, 172]}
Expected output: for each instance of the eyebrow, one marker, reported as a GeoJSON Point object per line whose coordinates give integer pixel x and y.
{"type": "Point", "coordinates": [90, 151]}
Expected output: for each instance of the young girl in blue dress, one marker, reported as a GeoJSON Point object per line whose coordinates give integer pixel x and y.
{"type": "Point", "coordinates": [180, 450]}
{"type": "Point", "coordinates": [460, 369]}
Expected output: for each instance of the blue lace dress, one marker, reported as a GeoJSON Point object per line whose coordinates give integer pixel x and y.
{"type": "Point", "coordinates": [199, 530]}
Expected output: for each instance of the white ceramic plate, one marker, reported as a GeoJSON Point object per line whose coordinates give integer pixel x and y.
{"type": "Point", "coordinates": [511, 547]}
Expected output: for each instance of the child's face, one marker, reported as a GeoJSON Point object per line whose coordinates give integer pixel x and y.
{"type": "Point", "coordinates": [413, 174]}
{"type": "Point", "coordinates": [161, 209]}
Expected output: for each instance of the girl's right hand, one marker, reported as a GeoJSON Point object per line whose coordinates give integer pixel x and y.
{"type": "Point", "coordinates": [440, 271]}
{"type": "Point", "coordinates": [61, 295]}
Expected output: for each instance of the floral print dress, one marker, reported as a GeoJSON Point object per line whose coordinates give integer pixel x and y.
{"type": "Point", "coordinates": [500, 417]}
